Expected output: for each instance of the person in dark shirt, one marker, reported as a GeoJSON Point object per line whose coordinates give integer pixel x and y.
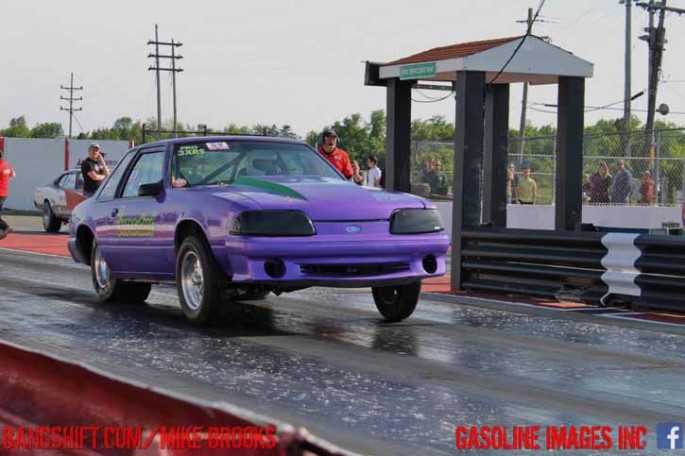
{"type": "Point", "coordinates": [599, 184]}
{"type": "Point", "coordinates": [94, 170]}
{"type": "Point", "coordinates": [436, 179]}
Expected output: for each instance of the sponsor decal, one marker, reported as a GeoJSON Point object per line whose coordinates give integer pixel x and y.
{"type": "Point", "coordinates": [141, 226]}
{"type": "Point", "coordinates": [190, 149]}
{"type": "Point", "coordinates": [217, 146]}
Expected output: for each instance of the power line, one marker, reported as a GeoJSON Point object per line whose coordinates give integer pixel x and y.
{"type": "Point", "coordinates": [71, 99]}
{"type": "Point", "coordinates": [513, 54]}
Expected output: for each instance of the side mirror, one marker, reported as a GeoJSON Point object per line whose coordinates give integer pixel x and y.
{"type": "Point", "coordinates": [151, 189]}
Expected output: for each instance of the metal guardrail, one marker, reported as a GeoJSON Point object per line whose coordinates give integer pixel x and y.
{"type": "Point", "coordinates": [662, 272]}
{"type": "Point", "coordinates": [643, 270]}
{"type": "Point", "coordinates": [534, 263]}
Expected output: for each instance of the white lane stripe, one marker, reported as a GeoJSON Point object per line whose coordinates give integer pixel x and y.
{"type": "Point", "coordinates": [620, 264]}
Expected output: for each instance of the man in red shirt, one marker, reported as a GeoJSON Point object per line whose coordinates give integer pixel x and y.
{"type": "Point", "coordinates": [6, 172]}
{"type": "Point", "coordinates": [336, 156]}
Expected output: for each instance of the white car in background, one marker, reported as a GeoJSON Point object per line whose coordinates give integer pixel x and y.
{"type": "Point", "coordinates": [57, 199]}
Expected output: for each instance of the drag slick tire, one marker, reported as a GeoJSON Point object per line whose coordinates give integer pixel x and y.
{"type": "Point", "coordinates": [51, 224]}
{"type": "Point", "coordinates": [201, 283]}
{"type": "Point", "coordinates": [110, 289]}
{"type": "Point", "coordinates": [397, 302]}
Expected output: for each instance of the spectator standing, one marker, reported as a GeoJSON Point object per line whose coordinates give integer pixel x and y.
{"type": "Point", "coordinates": [436, 179]}
{"type": "Point", "coordinates": [512, 184]}
{"type": "Point", "coordinates": [335, 155]}
{"type": "Point", "coordinates": [94, 170]}
{"type": "Point", "coordinates": [621, 184]}
{"type": "Point", "coordinates": [373, 174]}
{"type": "Point", "coordinates": [527, 187]}
{"type": "Point", "coordinates": [646, 188]}
{"type": "Point", "coordinates": [6, 173]}
{"type": "Point", "coordinates": [599, 184]}
{"type": "Point", "coordinates": [428, 165]}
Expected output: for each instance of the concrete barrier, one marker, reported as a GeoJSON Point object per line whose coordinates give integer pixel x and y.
{"type": "Point", "coordinates": [45, 399]}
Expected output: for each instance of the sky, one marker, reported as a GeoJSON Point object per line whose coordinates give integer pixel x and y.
{"type": "Point", "coordinates": [297, 62]}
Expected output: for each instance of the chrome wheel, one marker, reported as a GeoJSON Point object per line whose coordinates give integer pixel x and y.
{"type": "Point", "coordinates": [192, 280]}
{"type": "Point", "coordinates": [101, 269]}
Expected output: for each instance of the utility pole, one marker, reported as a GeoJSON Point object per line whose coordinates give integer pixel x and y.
{"type": "Point", "coordinates": [656, 48]}
{"type": "Point", "coordinates": [656, 38]}
{"type": "Point", "coordinates": [627, 78]}
{"type": "Point", "coordinates": [156, 68]}
{"type": "Point", "coordinates": [173, 44]}
{"type": "Point", "coordinates": [71, 100]}
{"type": "Point", "coordinates": [524, 99]}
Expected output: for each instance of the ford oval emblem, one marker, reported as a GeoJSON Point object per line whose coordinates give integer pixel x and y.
{"type": "Point", "coordinates": [353, 229]}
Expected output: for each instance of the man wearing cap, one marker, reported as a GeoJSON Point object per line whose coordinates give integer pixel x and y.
{"type": "Point", "coordinates": [94, 170]}
{"type": "Point", "coordinates": [335, 155]}
{"type": "Point", "coordinates": [6, 173]}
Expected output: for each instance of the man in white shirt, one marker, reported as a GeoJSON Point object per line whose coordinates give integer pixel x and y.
{"type": "Point", "coordinates": [372, 177]}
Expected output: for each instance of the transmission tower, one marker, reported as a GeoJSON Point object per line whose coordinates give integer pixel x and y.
{"type": "Point", "coordinates": [157, 68]}
{"type": "Point", "coordinates": [71, 100]}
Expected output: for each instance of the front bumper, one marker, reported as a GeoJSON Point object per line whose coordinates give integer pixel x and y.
{"type": "Point", "coordinates": [358, 261]}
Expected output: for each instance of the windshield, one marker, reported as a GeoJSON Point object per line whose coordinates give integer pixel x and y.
{"type": "Point", "coordinates": [222, 162]}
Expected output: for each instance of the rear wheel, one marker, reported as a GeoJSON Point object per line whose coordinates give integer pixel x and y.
{"type": "Point", "coordinates": [110, 289]}
{"type": "Point", "coordinates": [201, 283]}
{"type": "Point", "coordinates": [51, 224]}
{"type": "Point", "coordinates": [398, 302]}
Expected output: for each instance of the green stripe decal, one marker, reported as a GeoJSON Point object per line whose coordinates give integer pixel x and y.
{"type": "Point", "coordinates": [270, 186]}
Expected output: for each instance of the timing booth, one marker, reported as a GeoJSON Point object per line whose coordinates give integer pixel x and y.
{"type": "Point", "coordinates": [588, 265]}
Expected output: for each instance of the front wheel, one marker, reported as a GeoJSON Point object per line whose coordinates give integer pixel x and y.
{"type": "Point", "coordinates": [51, 224]}
{"type": "Point", "coordinates": [110, 289]}
{"type": "Point", "coordinates": [201, 283]}
{"type": "Point", "coordinates": [398, 302]}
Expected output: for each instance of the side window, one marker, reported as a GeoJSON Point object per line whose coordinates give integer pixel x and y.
{"type": "Point", "coordinates": [61, 180]}
{"type": "Point", "coordinates": [68, 182]}
{"type": "Point", "coordinates": [148, 169]}
{"type": "Point", "coordinates": [79, 181]}
{"type": "Point", "coordinates": [112, 183]}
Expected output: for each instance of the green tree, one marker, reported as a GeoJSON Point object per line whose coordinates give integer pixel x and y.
{"type": "Point", "coordinates": [17, 128]}
{"type": "Point", "coordinates": [47, 130]}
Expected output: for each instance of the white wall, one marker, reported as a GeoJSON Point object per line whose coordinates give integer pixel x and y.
{"type": "Point", "coordinates": [39, 161]}
{"type": "Point", "coordinates": [541, 217]}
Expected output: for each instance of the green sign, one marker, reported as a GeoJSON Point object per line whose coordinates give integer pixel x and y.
{"type": "Point", "coordinates": [417, 70]}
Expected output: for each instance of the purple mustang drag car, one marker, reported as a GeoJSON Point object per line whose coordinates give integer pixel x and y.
{"type": "Point", "coordinates": [235, 218]}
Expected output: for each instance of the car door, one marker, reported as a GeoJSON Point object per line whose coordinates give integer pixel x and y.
{"type": "Point", "coordinates": [142, 224]}
{"type": "Point", "coordinates": [59, 199]}
{"type": "Point", "coordinates": [104, 215]}
{"type": "Point", "coordinates": [75, 195]}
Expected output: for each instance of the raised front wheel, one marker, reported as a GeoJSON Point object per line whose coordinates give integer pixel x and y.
{"type": "Point", "coordinates": [397, 302]}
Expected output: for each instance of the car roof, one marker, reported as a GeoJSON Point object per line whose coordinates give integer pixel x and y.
{"type": "Point", "coordinates": [194, 139]}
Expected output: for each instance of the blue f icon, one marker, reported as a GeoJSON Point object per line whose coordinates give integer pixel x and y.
{"type": "Point", "coordinates": [669, 436]}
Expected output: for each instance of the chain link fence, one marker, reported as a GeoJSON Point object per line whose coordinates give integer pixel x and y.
{"type": "Point", "coordinates": [652, 170]}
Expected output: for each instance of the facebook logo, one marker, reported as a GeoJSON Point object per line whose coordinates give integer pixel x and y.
{"type": "Point", "coordinates": [669, 436]}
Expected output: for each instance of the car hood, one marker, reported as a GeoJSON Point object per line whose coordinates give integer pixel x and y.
{"type": "Point", "coordinates": [320, 198]}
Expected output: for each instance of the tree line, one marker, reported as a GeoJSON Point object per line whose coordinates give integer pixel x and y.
{"type": "Point", "coordinates": [360, 136]}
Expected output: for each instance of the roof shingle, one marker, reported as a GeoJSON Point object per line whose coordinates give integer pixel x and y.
{"type": "Point", "coordinates": [453, 51]}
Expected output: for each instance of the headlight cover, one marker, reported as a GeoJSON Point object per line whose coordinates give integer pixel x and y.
{"type": "Point", "coordinates": [273, 223]}
{"type": "Point", "coordinates": [415, 221]}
